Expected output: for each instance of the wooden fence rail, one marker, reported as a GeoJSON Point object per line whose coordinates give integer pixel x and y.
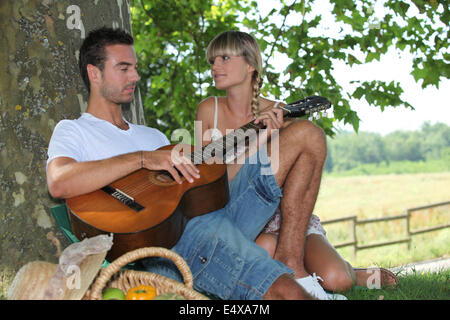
{"type": "Point", "coordinates": [407, 216]}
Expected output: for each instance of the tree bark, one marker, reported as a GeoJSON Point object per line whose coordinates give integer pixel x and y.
{"type": "Point", "coordinates": [40, 85]}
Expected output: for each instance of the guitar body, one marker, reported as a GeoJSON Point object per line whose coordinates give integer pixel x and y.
{"type": "Point", "coordinates": [164, 207]}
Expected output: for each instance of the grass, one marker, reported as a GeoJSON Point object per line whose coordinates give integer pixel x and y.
{"type": "Point", "coordinates": [415, 286]}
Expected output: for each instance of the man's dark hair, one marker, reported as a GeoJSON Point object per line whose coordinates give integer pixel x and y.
{"type": "Point", "coordinates": [93, 51]}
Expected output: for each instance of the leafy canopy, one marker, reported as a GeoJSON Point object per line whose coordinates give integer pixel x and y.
{"type": "Point", "coordinates": [172, 36]}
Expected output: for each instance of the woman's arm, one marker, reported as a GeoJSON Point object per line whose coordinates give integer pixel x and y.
{"type": "Point", "coordinates": [204, 120]}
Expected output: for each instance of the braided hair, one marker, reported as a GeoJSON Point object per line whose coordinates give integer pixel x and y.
{"type": "Point", "coordinates": [238, 43]}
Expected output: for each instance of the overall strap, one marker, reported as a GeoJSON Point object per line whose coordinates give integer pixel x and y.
{"type": "Point", "coordinates": [215, 113]}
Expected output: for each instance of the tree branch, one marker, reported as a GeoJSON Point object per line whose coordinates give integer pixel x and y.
{"type": "Point", "coordinates": [279, 33]}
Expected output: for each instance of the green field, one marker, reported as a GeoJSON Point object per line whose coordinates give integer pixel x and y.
{"type": "Point", "coordinates": [383, 196]}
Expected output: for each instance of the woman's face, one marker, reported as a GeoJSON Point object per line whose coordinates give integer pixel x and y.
{"type": "Point", "coordinates": [228, 71]}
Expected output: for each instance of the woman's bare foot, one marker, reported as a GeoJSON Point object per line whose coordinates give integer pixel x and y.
{"type": "Point", "coordinates": [375, 277]}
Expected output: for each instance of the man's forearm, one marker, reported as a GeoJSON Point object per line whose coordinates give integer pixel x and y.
{"type": "Point", "coordinates": [67, 178]}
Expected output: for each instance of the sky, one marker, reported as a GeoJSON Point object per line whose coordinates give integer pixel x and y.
{"type": "Point", "coordinates": [431, 104]}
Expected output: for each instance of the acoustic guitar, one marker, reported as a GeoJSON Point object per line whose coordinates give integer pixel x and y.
{"type": "Point", "coordinates": [149, 208]}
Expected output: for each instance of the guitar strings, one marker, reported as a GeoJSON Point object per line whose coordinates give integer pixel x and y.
{"type": "Point", "coordinates": [228, 141]}
{"type": "Point", "coordinates": [134, 189]}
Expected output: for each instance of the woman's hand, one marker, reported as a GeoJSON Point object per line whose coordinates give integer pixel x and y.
{"type": "Point", "coordinates": [272, 119]}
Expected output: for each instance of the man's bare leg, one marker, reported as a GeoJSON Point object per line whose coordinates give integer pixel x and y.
{"type": "Point", "coordinates": [302, 154]}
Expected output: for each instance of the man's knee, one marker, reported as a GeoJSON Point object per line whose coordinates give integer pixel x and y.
{"type": "Point", "coordinates": [307, 134]}
{"type": "Point", "coordinates": [315, 136]}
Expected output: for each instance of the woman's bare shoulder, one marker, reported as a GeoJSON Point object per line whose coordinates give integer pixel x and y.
{"type": "Point", "coordinates": [206, 107]}
{"type": "Point", "coordinates": [207, 101]}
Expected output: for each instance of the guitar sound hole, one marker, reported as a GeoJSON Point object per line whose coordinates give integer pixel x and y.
{"type": "Point", "coordinates": [162, 178]}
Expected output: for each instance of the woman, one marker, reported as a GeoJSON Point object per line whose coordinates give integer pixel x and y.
{"type": "Point", "coordinates": [236, 67]}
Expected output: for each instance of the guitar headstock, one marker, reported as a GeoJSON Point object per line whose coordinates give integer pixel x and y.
{"type": "Point", "coordinates": [306, 106]}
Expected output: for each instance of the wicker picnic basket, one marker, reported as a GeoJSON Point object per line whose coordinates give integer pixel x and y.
{"type": "Point", "coordinates": [113, 277]}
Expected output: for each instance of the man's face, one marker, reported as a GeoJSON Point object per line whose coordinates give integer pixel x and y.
{"type": "Point", "coordinates": [119, 76]}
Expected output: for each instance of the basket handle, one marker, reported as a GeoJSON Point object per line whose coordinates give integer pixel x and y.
{"type": "Point", "coordinates": [137, 254]}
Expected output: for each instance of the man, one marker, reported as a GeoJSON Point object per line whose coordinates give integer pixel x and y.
{"type": "Point", "coordinates": [82, 162]}
{"type": "Point", "coordinates": [101, 146]}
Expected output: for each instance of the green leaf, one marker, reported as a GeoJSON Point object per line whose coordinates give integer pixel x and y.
{"type": "Point", "coordinates": [372, 56]}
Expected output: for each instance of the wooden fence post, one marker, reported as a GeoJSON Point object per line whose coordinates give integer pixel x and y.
{"type": "Point", "coordinates": [354, 238]}
{"type": "Point", "coordinates": [408, 227]}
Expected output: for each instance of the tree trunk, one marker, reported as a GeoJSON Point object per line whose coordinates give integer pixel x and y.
{"type": "Point", "coordinates": [40, 85]}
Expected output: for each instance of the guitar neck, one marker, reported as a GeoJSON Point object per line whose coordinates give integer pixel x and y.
{"type": "Point", "coordinates": [228, 142]}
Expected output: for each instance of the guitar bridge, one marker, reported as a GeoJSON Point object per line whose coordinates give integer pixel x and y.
{"type": "Point", "coordinates": [123, 198]}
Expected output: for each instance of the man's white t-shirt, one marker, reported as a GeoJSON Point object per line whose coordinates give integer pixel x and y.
{"type": "Point", "coordinates": [89, 138]}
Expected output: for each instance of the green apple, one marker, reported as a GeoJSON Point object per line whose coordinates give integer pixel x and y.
{"type": "Point", "coordinates": [113, 294]}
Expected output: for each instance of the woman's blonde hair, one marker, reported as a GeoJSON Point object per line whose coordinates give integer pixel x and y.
{"type": "Point", "coordinates": [238, 43]}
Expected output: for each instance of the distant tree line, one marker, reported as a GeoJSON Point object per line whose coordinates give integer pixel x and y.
{"type": "Point", "coordinates": [350, 150]}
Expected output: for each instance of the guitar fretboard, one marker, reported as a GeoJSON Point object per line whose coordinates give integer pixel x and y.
{"type": "Point", "coordinates": [227, 144]}
{"type": "Point", "coordinates": [230, 141]}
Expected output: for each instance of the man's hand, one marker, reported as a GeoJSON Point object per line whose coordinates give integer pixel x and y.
{"type": "Point", "coordinates": [169, 160]}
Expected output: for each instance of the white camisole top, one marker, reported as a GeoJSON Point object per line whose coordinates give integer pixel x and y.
{"type": "Point", "coordinates": [216, 134]}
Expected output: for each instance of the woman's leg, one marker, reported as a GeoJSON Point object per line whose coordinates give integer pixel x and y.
{"type": "Point", "coordinates": [322, 259]}
{"type": "Point", "coordinates": [267, 241]}
{"type": "Point", "coordinates": [337, 274]}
